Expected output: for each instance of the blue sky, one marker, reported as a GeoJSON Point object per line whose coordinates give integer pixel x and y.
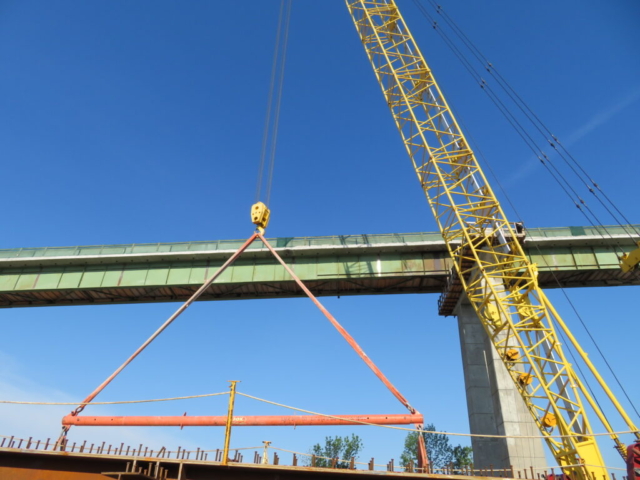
{"type": "Point", "coordinates": [134, 122]}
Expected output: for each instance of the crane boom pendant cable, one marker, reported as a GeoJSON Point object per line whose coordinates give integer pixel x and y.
{"type": "Point", "coordinates": [554, 142]}
{"type": "Point", "coordinates": [571, 162]}
{"type": "Point", "coordinates": [500, 282]}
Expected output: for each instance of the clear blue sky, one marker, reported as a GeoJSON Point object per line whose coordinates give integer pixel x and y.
{"type": "Point", "coordinates": [134, 122]}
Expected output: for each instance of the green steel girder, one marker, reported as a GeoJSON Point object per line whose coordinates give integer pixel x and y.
{"type": "Point", "coordinates": [338, 265]}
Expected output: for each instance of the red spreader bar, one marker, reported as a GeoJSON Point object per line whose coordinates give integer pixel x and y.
{"type": "Point", "coordinates": [74, 419]}
{"type": "Point", "coordinates": [250, 421]}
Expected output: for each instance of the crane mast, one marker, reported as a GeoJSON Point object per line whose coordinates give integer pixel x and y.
{"type": "Point", "coordinates": [497, 277]}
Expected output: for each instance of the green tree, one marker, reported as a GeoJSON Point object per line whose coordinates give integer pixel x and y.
{"type": "Point", "coordinates": [339, 447]}
{"type": "Point", "coordinates": [441, 452]}
{"type": "Point", "coordinates": [462, 457]}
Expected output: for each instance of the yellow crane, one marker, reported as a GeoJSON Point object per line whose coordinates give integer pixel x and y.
{"type": "Point", "coordinates": [498, 279]}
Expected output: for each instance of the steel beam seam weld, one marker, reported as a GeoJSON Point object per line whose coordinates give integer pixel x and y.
{"type": "Point", "coordinates": [177, 313]}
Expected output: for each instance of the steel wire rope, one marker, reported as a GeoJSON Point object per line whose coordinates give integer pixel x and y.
{"type": "Point", "coordinates": [562, 289]}
{"type": "Point", "coordinates": [500, 105]}
{"type": "Point", "coordinates": [278, 101]}
{"type": "Point", "coordinates": [524, 135]}
{"type": "Point", "coordinates": [572, 168]}
{"type": "Point", "coordinates": [274, 97]}
{"type": "Point", "coordinates": [121, 402]}
{"type": "Point", "coordinates": [392, 427]}
{"type": "Point", "coordinates": [476, 148]}
{"type": "Point", "coordinates": [559, 285]}
{"type": "Point", "coordinates": [265, 132]}
{"type": "Point", "coordinates": [169, 321]}
{"type": "Point", "coordinates": [604, 358]}
{"type": "Point", "coordinates": [511, 119]}
{"type": "Point", "coordinates": [517, 126]}
{"type": "Point", "coordinates": [476, 75]}
{"type": "Point", "coordinates": [521, 103]}
{"type": "Point", "coordinates": [485, 161]}
{"type": "Point", "coordinates": [533, 117]}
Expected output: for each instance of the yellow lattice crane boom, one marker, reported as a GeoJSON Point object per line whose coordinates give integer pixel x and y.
{"type": "Point", "coordinates": [498, 279]}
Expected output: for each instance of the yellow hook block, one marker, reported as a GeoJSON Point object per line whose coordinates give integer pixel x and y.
{"type": "Point", "coordinates": [260, 215]}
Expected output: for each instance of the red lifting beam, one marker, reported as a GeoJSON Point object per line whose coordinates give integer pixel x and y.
{"type": "Point", "coordinates": [251, 421]}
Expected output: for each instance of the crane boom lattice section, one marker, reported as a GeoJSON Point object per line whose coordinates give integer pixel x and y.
{"type": "Point", "coordinates": [497, 277]}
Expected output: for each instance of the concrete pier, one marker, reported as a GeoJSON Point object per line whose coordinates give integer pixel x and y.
{"type": "Point", "coordinates": [494, 405]}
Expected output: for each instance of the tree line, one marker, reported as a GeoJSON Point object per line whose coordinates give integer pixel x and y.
{"type": "Point", "coordinates": [442, 454]}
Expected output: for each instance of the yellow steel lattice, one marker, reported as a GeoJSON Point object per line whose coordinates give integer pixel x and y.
{"type": "Point", "coordinates": [498, 279]}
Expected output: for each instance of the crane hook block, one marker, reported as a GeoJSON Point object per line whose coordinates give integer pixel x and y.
{"type": "Point", "coordinates": [629, 261]}
{"type": "Point", "coordinates": [260, 216]}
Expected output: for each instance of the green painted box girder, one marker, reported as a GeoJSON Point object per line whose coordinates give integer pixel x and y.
{"type": "Point", "coordinates": [337, 265]}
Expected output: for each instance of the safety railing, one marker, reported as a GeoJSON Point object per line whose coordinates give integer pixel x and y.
{"type": "Point", "coordinates": [270, 455]}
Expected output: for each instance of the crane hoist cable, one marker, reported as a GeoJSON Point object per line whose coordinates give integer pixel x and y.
{"type": "Point", "coordinates": [280, 83]}
{"type": "Point", "coordinates": [518, 127]}
{"type": "Point", "coordinates": [550, 138]}
{"type": "Point", "coordinates": [502, 287]}
{"type": "Point", "coordinates": [260, 213]}
{"type": "Point", "coordinates": [570, 350]}
{"type": "Point", "coordinates": [629, 261]}
{"type": "Point", "coordinates": [496, 179]}
{"type": "Point", "coordinates": [556, 174]}
{"type": "Point", "coordinates": [477, 148]}
{"type": "Point", "coordinates": [531, 116]}
{"type": "Point", "coordinates": [519, 101]}
{"type": "Point", "coordinates": [564, 184]}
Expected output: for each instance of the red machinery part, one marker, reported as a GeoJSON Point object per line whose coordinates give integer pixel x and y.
{"type": "Point", "coordinates": [239, 421]}
{"type": "Point", "coordinates": [633, 461]}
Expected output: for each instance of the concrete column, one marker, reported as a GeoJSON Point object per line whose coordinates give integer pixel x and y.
{"type": "Point", "coordinates": [494, 404]}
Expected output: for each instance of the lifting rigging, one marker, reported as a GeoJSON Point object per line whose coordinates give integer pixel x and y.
{"type": "Point", "coordinates": [260, 213]}
{"type": "Point", "coordinates": [497, 277]}
{"type": "Point", "coordinates": [489, 262]}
